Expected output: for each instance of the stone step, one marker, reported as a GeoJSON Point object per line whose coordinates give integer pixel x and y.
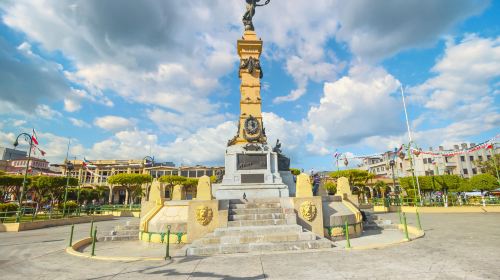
{"type": "Point", "coordinates": [253, 205]}
{"type": "Point", "coordinates": [256, 216]}
{"type": "Point", "coordinates": [245, 223]}
{"type": "Point", "coordinates": [247, 211]}
{"type": "Point", "coordinates": [118, 237]}
{"type": "Point", "coordinates": [383, 222]}
{"type": "Point", "coordinates": [127, 227]}
{"type": "Point", "coordinates": [234, 239]}
{"type": "Point", "coordinates": [258, 247]}
{"type": "Point", "coordinates": [255, 200]}
{"type": "Point", "coordinates": [256, 230]}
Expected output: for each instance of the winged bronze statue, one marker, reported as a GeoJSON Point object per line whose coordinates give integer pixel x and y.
{"type": "Point", "coordinates": [247, 17]}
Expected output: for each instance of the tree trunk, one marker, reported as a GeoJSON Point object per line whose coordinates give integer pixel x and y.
{"type": "Point", "coordinates": [126, 196]}
{"type": "Point", "coordinates": [110, 197]}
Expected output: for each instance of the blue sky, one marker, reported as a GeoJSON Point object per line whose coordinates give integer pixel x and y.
{"type": "Point", "coordinates": [124, 80]}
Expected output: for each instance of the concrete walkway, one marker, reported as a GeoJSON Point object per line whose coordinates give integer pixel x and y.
{"type": "Point", "coordinates": [456, 246]}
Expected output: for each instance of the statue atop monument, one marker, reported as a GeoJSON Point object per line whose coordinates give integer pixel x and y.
{"type": "Point", "coordinates": [247, 17]}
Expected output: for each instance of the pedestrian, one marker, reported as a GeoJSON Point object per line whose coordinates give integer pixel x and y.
{"type": "Point", "coordinates": [316, 182]}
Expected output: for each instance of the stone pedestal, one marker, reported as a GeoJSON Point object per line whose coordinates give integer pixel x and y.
{"type": "Point", "coordinates": [252, 172]}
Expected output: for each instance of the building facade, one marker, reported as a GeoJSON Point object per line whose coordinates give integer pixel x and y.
{"type": "Point", "coordinates": [36, 166]}
{"type": "Point", "coordinates": [97, 171]}
{"type": "Point", "coordinates": [10, 154]}
{"type": "Point", "coordinates": [425, 164]}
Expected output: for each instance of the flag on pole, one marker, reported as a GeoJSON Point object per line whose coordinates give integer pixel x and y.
{"type": "Point", "coordinates": [34, 138]}
{"type": "Point", "coordinates": [337, 154]}
{"type": "Point", "coordinates": [87, 164]}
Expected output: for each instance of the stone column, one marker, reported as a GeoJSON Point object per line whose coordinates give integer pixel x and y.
{"type": "Point", "coordinates": [110, 197]}
{"type": "Point", "coordinates": [249, 50]}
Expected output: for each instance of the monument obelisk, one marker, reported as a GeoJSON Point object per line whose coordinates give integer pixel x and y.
{"type": "Point", "coordinates": [252, 168]}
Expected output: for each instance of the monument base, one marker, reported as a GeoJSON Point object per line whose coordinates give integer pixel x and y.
{"type": "Point", "coordinates": [251, 191]}
{"type": "Point", "coordinates": [251, 170]}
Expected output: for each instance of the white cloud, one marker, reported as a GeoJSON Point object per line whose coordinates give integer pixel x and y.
{"type": "Point", "coordinates": [206, 145]}
{"type": "Point", "coordinates": [291, 134]}
{"type": "Point", "coordinates": [114, 123]}
{"type": "Point", "coordinates": [79, 123]}
{"type": "Point", "coordinates": [46, 112]}
{"type": "Point", "coordinates": [356, 106]}
{"type": "Point", "coordinates": [379, 29]}
{"type": "Point", "coordinates": [71, 106]}
{"type": "Point", "coordinates": [462, 86]}
{"type": "Point", "coordinates": [303, 71]}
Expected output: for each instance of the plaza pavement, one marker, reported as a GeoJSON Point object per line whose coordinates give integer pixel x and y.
{"type": "Point", "coordinates": [456, 246]}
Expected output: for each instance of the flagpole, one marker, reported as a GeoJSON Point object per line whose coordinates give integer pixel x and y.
{"type": "Point", "coordinates": [67, 179]}
{"type": "Point", "coordinates": [411, 141]}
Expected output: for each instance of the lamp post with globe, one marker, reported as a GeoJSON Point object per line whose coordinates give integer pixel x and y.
{"type": "Point", "coordinates": [28, 138]}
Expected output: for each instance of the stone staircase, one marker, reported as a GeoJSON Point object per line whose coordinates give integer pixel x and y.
{"type": "Point", "coordinates": [129, 231]}
{"type": "Point", "coordinates": [257, 226]}
{"type": "Point", "coordinates": [374, 222]}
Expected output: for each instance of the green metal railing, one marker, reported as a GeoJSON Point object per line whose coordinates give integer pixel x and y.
{"type": "Point", "coordinates": [28, 214]}
{"type": "Point", "coordinates": [343, 227]}
{"type": "Point", "coordinates": [435, 202]}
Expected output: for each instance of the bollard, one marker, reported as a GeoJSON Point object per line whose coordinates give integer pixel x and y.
{"type": "Point", "coordinates": [347, 235]}
{"type": "Point", "coordinates": [167, 250]}
{"type": "Point", "coordinates": [406, 226]}
{"type": "Point", "coordinates": [71, 236]}
{"type": "Point", "coordinates": [94, 239]}
{"type": "Point", "coordinates": [418, 219]}
{"type": "Point", "coordinates": [400, 218]}
{"type": "Point", "coordinates": [91, 227]}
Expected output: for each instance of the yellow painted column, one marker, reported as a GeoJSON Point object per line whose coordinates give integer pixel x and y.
{"type": "Point", "coordinates": [204, 188]}
{"type": "Point", "coordinates": [303, 187]}
{"type": "Point", "coordinates": [178, 193]}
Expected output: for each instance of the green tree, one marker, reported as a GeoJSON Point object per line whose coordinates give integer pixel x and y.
{"type": "Point", "coordinates": [330, 187]}
{"type": "Point", "coordinates": [172, 180]}
{"type": "Point", "coordinates": [480, 182]}
{"type": "Point", "coordinates": [11, 184]}
{"type": "Point", "coordinates": [50, 187]}
{"type": "Point", "coordinates": [356, 177]}
{"type": "Point", "coordinates": [132, 183]}
{"type": "Point", "coordinates": [295, 171]}
{"type": "Point", "coordinates": [381, 186]}
{"type": "Point", "coordinates": [490, 166]}
{"type": "Point", "coordinates": [446, 183]}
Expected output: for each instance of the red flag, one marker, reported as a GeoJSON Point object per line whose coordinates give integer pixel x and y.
{"type": "Point", "coordinates": [41, 151]}
{"type": "Point", "coordinates": [490, 146]}
{"type": "Point", "coordinates": [33, 137]}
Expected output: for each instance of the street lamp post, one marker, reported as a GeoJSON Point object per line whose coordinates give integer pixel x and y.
{"type": "Point", "coordinates": [28, 139]}
{"type": "Point", "coordinates": [392, 162]}
{"type": "Point", "coordinates": [69, 167]}
{"type": "Point", "coordinates": [145, 160]}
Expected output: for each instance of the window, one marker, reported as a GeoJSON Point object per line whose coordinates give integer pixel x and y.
{"type": "Point", "coordinates": [462, 158]}
{"type": "Point", "coordinates": [488, 157]}
{"type": "Point", "coordinates": [466, 171]}
{"type": "Point", "coordinates": [209, 173]}
{"type": "Point", "coordinates": [401, 165]}
{"type": "Point", "coordinates": [471, 158]}
{"type": "Point", "coordinates": [474, 171]}
{"type": "Point", "coordinates": [445, 159]}
{"type": "Point", "coordinates": [480, 158]}
{"type": "Point", "coordinates": [192, 174]}
{"type": "Point", "coordinates": [184, 173]}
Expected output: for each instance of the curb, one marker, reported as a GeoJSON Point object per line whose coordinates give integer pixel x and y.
{"type": "Point", "coordinates": [411, 229]}
{"type": "Point", "coordinates": [73, 250]}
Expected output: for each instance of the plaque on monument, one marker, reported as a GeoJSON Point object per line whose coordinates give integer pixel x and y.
{"type": "Point", "coordinates": [252, 178]}
{"type": "Point", "coordinates": [252, 161]}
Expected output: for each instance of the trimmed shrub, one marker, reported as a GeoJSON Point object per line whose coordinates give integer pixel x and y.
{"type": "Point", "coordinates": [8, 207]}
